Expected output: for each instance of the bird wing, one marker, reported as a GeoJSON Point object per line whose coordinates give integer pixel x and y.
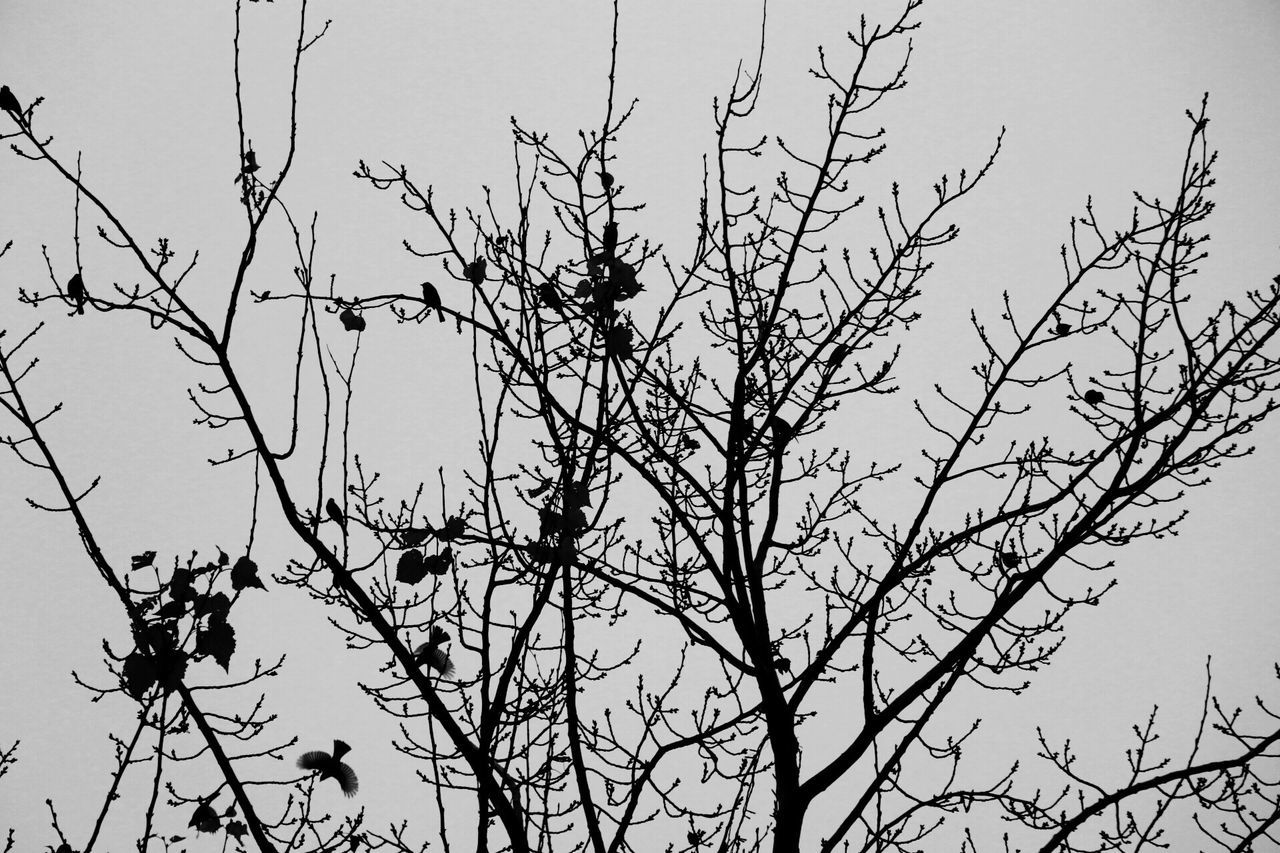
{"type": "Point", "coordinates": [436, 659]}
{"type": "Point", "coordinates": [347, 779]}
{"type": "Point", "coordinates": [314, 760]}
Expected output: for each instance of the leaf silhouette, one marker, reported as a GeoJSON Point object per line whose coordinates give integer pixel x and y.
{"type": "Point", "coordinates": [180, 585]}
{"type": "Point", "coordinates": [451, 530]}
{"type": "Point", "coordinates": [440, 563]}
{"type": "Point", "coordinates": [215, 606]}
{"type": "Point", "coordinates": [414, 536]}
{"type": "Point", "coordinates": [205, 819]}
{"type": "Point", "coordinates": [351, 321]}
{"type": "Point", "coordinates": [244, 574]}
{"type": "Point", "coordinates": [139, 674]}
{"type": "Point", "coordinates": [218, 640]}
{"type": "Point", "coordinates": [409, 568]}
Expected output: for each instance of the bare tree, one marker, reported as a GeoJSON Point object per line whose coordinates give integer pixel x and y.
{"type": "Point", "coordinates": [665, 605]}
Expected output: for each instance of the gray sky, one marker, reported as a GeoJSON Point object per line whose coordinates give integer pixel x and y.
{"type": "Point", "coordinates": [1092, 94]}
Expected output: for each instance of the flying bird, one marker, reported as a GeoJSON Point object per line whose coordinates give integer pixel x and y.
{"type": "Point", "coordinates": [77, 292]}
{"type": "Point", "coordinates": [332, 767]}
{"type": "Point", "coordinates": [431, 298]}
{"type": "Point", "coordinates": [331, 507]}
{"type": "Point", "coordinates": [9, 102]}
{"type": "Point", "coordinates": [431, 653]}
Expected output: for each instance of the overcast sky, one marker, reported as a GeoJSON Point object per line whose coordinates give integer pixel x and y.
{"type": "Point", "coordinates": [1093, 96]}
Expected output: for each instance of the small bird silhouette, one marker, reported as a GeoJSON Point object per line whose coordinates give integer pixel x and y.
{"type": "Point", "coordinates": [247, 168]}
{"type": "Point", "coordinates": [1010, 559]}
{"type": "Point", "coordinates": [475, 270]}
{"type": "Point", "coordinates": [606, 180]}
{"type": "Point", "coordinates": [1093, 396]}
{"type": "Point", "coordinates": [432, 654]}
{"type": "Point", "coordinates": [9, 102]}
{"type": "Point", "coordinates": [332, 767]}
{"type": "Point", "coordinates": [1061, 329]}
{"type": "Point", "coordinates": [331, 507]}
{"type": "Point", "coordinates": [610, 238]}
{"type": "Point", "coordinates": [550, 297]}
{"type": "Point", "coordinates": [77, 292]}
{"type": "Point", "coordinates": [839, 354]}
{"type": "Point", "coordinates": [431, 298]}
{"type": "Point", "coordinates": [781, 430]}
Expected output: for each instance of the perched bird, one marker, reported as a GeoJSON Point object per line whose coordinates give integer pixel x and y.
{"type": "Point", "coordinates": [1093, 396]}
{"type": "Point", "coordinates": [475, 270]}
{"type": "Point", "coordinates": [781, 430]}
{"type": "Point", "coordinates": [431, 298]}
{"type": "Point", "coordinates": [1010, 559]}
{"type": "Point", "coordinates": [247, 168]}
{"type": "Point", "coordinates": [1061, 329]}
{"type": "Point", "coordinates": [551, 297]}
{"type": "Point", "coordinates": [610, 238]}
{"type": "Point", "coordinates": [9, 102]}
{"type": "Point", "coordinates": [332, 767]}
{"type": "Point", "coordinates": [839, 354]}
{"type": "Point", "coordinates": [331, 507]}
{"type": "Point", "coordinates": [77, 292]}
{"type": "Point", "coordinates": [432, 654]}
{"type": "Point", "coordinates": [606, 180]}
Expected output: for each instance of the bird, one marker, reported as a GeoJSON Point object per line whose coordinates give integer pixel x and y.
{"type": "Point", "coordinates": [432, 655]}
{"type": "Point", "coordinates": [77, 292]}
{"type": "Point", "coordinates": [9, 101]}
{"type": "Point", "coordinates": [331, 507]}
{"type": "Point", "coordinates": [332, 767]}
{"type": "Point", "coordinates": [474, 271]}
{"type": "Point", "coordinates": [1061, 329]}
{"type": "Point", "coordinates": [781, 430]}
{"type": "Point", "coordinates": [431, 298]}
{"type": "Point", "coordinates": [1093, 396]}
{"type": "Point", "coordinates": [551, 297]}
{"type": "Point", "coordinates": [249, 166]}
{"type": "Point", "coordinates": [839, 354]}
{"type": "Point", "coordinates": [1010, 559]}
{"type": "Point", "coordinates": [610, 238]}
{"type": "Point", "coordinates": [606, 180]}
